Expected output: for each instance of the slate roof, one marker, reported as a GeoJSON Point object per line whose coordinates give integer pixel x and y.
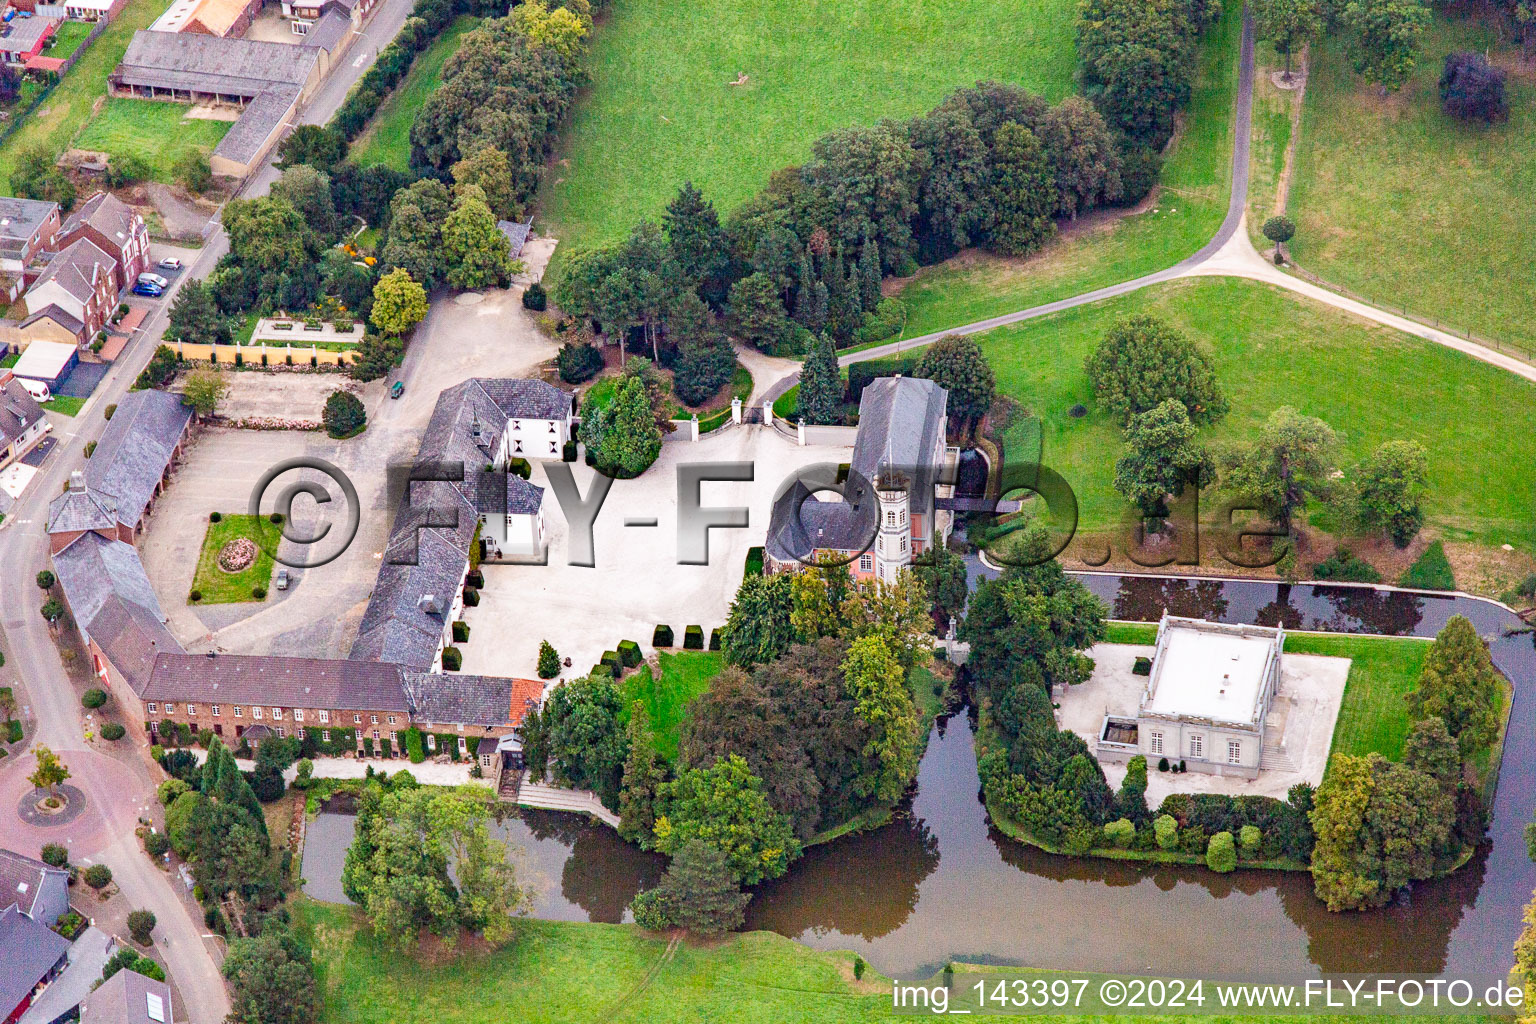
{"type": "Point", "coordinates": [20, 218]}
{"type": "Point", "coordinates": [131, 458]}
{"type": "Point", "coordinates": [189, 60]}
{"type": "Point", "coordinates": [108, 214]}
{"type": "Point", "coordinates": [901, 423]}
{"type": "Point", "coordinates": [125, 998]}
{"type": "Point", "coordinates": [274, 680]}
{"type": "Point", "coordinates": [517, 234]}
{"type": "Point", "coordinates": [82, 508]}
{"type": "Point", "coordinates": [820, 525]}
{"type": "Point", "coordinates": [450, 698]}
{"type": "Point", "coordinates": [16, 405]}
{"type": "Point", "coordinates": [76, 268]}
{"type": "Point", "coordinates": [53, 311]}
{"type": "Point", "coordinates": [262, 116]}
{"type": "Point", "coordinates": [519, 497]}
{"type": "Point", "coordinates": [113, 602]}
{"type": "Point", "coordinates": [328, 31]}
{"type": "Point", "coordinates": [31, 951]}
{"type": "Point", "coordinates": [527, 399]}
{"type": "Point", "coordinates": [22, 880]}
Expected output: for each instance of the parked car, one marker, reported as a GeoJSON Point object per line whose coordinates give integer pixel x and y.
{"type": "Point", "coordinates": [154, 291]}
{"type": "Point", "coordinates": [154, 279]}
{"type": "Point", "coordinates": [170, 263]}
{"type": "Point", "coordinates": [281, 583]}
{"type": "Point", "coordinates": [397, 389]}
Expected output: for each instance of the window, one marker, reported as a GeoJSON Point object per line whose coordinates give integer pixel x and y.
{"type": "Point", "coordinates": [239, 712]}
{"type": "Point", "coordinates": [373, 719]}
{"type": "Point", "coordinates": [890, 519]}
{"type": "Point", "coordinates": [1234, 752]}
{"type": "Point", "coordinates": [866, 563]}
{"type": "Point", "coordinates": [461, 744]}
{"type": "Point", "coordinates": [298, 714]}
{"type": "Point", "coordinates": [1197, 746]}
{"type": "Point", "coordinates": [325, 735]}
{"type": "Point", "coordinates": [215, 711]}
{"type": "Point", "coordinates": [170, 709]}
{"type": "Point", "coordinates": [153, 708]}
{"type": "Point", "coordinates": [255, 713]}
{"type": "Point", "coordinates": [281, 732]}
{"type": "Point", "coordinates": [1155, 743]}
{"type": "Point", "coordinates": [357, 719]}
{"type": "Point", "coordinates": [325, 716]}
{"type": "Point", "coordinates": [375, 734]}
{"type": "Point", "coordinates": [277, 714]}
{"type": "Point", "coordinates": [391, 719]}
{"type": "Point", "coordinates": [394, 737]}
{"type": "Point", "coordinates": [191, 709]}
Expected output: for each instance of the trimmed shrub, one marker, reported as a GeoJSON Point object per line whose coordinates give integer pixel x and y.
{"type": "Point", "coordinates": [471, 597]}
{"type": "Point", "coordinates": [453, 659]}
{"type": "Point", "coordinates": [578, 363]}
{"type": "Point", "coordinates": [629, 653]}
{"type": "Point", "coordinates": [1221, 854]}
{"type": "Point", "coordinates": [1192, 839]}
{"type": "Point", "coordinates": [662, 637]}
{"type": "Point", "coordinates": [1142, 667]}
{"type": "Point", "coordinates": [535, 298]}
{"type": "Point", "coordinates": [259, 592]}
{"type": "Point", "coordinates": [195, 596]}
{"type": "Point", "coordinates": [109, 411]}
{"type": "Point", "coordinates": [1250, 841]}
{"type": "Point", "coordinates": [215, 517]}
{"type": "Point", "coordinates": [56, 855]}
{"type": "Point", "coordinates": [460, 632]}
{"type": "Point", "coordinates": [715, 639]}
{"type": "Point", "coordinates": [94, 698]}
{"type": "Point", "coordinates": [1167, 831]}
{"type": "Point", "coordinates": [568, 453]}
{"type": "Point", "coordinates": [549, 660]}
{"type": "Point", "coordinates": [157, 844]}
{"type": "Point", "coordinates": [693, 638]}
{"type": "Point", "coordinates": [112, 731]}
{"type": "Point", "coordinates": [141, 925]}
{"type": "Point", "coordinates": [475, 578]}
{"type": "Point", "coordinates": [413, 746]}
{"type": "Point", "coordinates": [520, 467]}
{"type": "Point", "coordinates": [1344, 566]}
{"type": "Point", "coordinates": [169, 790]}
{"type": "Point", "coordinates": [97, 876]}
{"type": "Point", "coordinates": [1162, 764]}
{"type": "Point", "coordinates": [1119, 833]}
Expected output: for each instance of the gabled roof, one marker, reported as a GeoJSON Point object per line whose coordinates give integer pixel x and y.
{"type": "Point", "coordinates": [114, 603]}
{"type": "Point", "coordinates": [517, 234]}
{"type": "Point", "coordinates": [128, 998]}
{"type": "Point", "coordinates": [22, 880]}
{"type": "Point", "coordinates": [279, 681]}
{"type": "Point", "coordinates": [527, 399]}
{"type": "Point", "coordinates": [107, 214]}
{"type": "Point", "coordinates": [76, 268]}
{"type": "Point", "coordinates": [190, 60]}
{"type": "Point", "coordinates": [328, 30]}
{"type": "Point", "coordinates": [452, 699]}
{"type": "Point", "coordinates": [136, 448]}
{"type": "Point", "coordinates": [82, 508]}
{"type": "Point", "coordinates": [31, 951]}
{"type": "Point", "coordinates": [901, 422]}
{"type": "Point", "coordinates": [53, 311]}
{"type": "Point", "coordinates": [262, 116]}
{"type": "Point", "coordinates": [17, 407]}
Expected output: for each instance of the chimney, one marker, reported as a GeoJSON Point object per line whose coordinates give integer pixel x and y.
{"type": "Point", "coordinates": [428, 604]}
{"type": "Point", "coordinates": [77, 479]}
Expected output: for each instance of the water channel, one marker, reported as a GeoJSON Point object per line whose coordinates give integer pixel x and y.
{"type": "Point", "coordinates": [938, 883]}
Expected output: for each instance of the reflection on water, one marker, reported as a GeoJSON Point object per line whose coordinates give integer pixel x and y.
{"type": "Point", "coordinates": [939, 883]}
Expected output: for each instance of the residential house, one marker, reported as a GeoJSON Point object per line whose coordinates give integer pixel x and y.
{"type": "Point", "coordinates": [79, 10]}
{"type": "Point", "coordinates": [78, 287]}
{"type": "Point", "coordinates": [128, 998]}
{"type": "Point", "coordinates": [34, 956]}
{"type": "Point", "coordinates": [115, 228]}
{"type": "Point", "coordinates": [29, 228]}
{"type": "Point", "coordinates": [82, 509]}
{"type": "Point", "coordinates": [22, 423]}
{"type": "Point", "coordinates": [21, 39]}
{"type": "Point", "coordinates": [474, 709]}
{"type": "Point", "coordinates": [306, 12]}
{"type": "Point", "coordinates": [891, 515]}
{"type": "Point", "coordinates": [38, 890]}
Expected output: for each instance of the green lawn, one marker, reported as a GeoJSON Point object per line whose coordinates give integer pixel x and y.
{"type": "Point", "coordinates": [157, 133]}
{"type": "Point", "coordinates": [68, 37]}
{"type": "Point", "coordinates": [65, 405]}
{"type": "Point", "coordinates": [69, 107]}
{"type": "Point", "coordinates": [387, 138]}
{"type": "Point", "coordinates": [1271, 349]}
{"type": "Point", "coordinates": [220, 587]}
{"type": "Point", "coordinates": [1196, 181]}
{"type": "Point", "coordinates": [1373, 715]}
{"type": "Point", "coordinates": [1401, 203]}
{"type": "Point", "coordinates": [1139, 633]}
{"type": "Point", "coordinates": [684, 676]}
{"type": "Point", "coordinates": [662, 111]}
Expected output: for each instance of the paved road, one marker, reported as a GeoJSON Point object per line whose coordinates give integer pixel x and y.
{"type": "Point", "coordinates": [32, 655]}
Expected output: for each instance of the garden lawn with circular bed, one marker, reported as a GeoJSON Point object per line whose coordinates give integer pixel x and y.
{"type": "Point", "coordinates": [234, 562]}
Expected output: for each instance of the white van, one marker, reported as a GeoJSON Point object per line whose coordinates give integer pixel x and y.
{"type": "Point", "coordinates": [154, 279]}
{"type": "Point", "coordinates": [37, 389]}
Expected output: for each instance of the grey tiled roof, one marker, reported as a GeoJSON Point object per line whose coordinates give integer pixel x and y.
{"type": "Point", "coordinates": [53, 311]}
{"type": "Point", "coordinates": [278, 681]}
{"type": "Point", "coordinates": [517, 234]}
{"type": "Point", "coordinates": [83, 509]}
{"type": "Point", "coordinates": [19, 218]}
{"type": "Point", "coordinates": [31, 951]}
{"type": "Point", "coordinates": [328, 31]}
{"type": "Point", "coordinates": [901, 421]}
{"type": "Point", "coordinates": [108, 215]}
{"type": "Point", "coordinates": [820, 525]}
{"type": "Point", "coordinates": [135, 449]}
{"type": "Point", "coordinates": [77, 267]}
{"type": "Point", "coordinates": [124, 999]}
{"type": "Point", "coordinates": [16, 405]}
{"type": "Point", "coordinates": [189, 60]}
{"type": "Point", "coordinates": [262, 116]}
{"type": "Point", "coordinates": [25, 32]}
{"type": "Point", "coordinates": [527, 399]}
{"type": "Point", "coordinates": [451, 699]}
{"type": "Point", "coordinates": [22, 880]}
{"type": "Point", "coordinates": [112, 600]}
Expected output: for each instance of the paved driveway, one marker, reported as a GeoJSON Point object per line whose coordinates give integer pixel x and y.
{"type": "Point", "coordinates": [637, 582]}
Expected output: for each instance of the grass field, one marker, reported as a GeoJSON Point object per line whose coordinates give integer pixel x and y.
{"type": "Point", "coordinates": [1138, 633]}
{"type": "Point", "coordinates": [1195, 183]}
{"type": "Point", "coordinates": [1271, 349]}
{"type": "Point", "coordinates": [156, 133]}
{"type": "Point", "coordinates": [1401, 203]}
{"type": "Point", "coordinates": [56, 122]}
{"type": "Point", "coordinates": [662, 111]}
{"type": "Point", "coordinates": [68, 37]}
{"type": "Point", "coordinates": [218, 586]}
{"type": "Point", "coordinates": [387, 138]}
{"type": "Point", "coordinates": [1373, 715]}
{"type": "Point", "coordinates": [684, 676]}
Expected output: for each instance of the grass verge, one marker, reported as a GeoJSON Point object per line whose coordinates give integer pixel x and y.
{"type": "Point", "coordinates": [218, 586]}
{"type": "Point", "coordinates": [387, 137]}
{"type": "Point", "coordinates": [65, 405]}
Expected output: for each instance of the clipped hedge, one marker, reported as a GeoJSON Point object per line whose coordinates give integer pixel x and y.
{"type": "Point", "coordinates": [629, 653]}
{"type": "Point", "coordinates": [714, 639]}
{"type": "Point", "coordinates": [461, 632]}
{"type": "Point", "coordinates": [754, 566]}
{"type": "Point", "coordinates": [1431, 572]}
{"type": "Point", "coordinates": [693, 638]}
{"type": "Point", "coordinates": [662, 637]}
{"type": "Point", "coordinates": [453, 659]}
{"type": "Point", "coordinates": [413, 746]}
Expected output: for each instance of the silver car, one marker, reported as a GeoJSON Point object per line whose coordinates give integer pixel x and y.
{"type": "Point", "coordinates": [281, 583]}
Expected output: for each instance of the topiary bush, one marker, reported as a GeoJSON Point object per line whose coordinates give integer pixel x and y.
{"type": "Point", "coordinates": [629, 653]}
{"type": "Point", "coordinates": [471, 597]}
{"type": "Point", "coordinates": [195, 596]}
{"type": "Point", "coordinates": [662, 637]}
{"type": "Point", "coordinates": [453, 659]}
{"type": "Point", "coordinates": [693, 638]}
{"type": "Point", "coordinates": [1250, 842]}
{"type": "Point", "coordinates": [715, 639]}
{"type": "Point", "coordinates": [535, 298]}
{"type": "Point", "coordinates": [1167, 831]}
{"type": "Point", "coordinates": [1431, 572]}
{"type": "Point", "coordinates": [141, 925]}
{"type": "Point", "coordinates": [1221, 854]}
{"type": "Point", "coordinates": [1119, 833]}
{"type": "Point", "coordinates": [97, 876]}
{"type": "Point", "coordinates": [157, 844]}
{"type": "Point", "coordinates": [549, 660]}
{"type": "Point", "coordinates": [460, 632]}
{"type": "Point", "coordinates": [112, 731]}
{"type": "Point", "coordinates": [215, 517]}
{"type": "Point", "coordinates": [94, 698]}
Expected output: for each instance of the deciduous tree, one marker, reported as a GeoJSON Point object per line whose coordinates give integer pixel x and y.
{"type": "Point", "coordinates": [1386, 39]}
{"type": "Point", "coordinates": [203, 389]}
{"type": "Point", "coordinates": [271, 980]}
{"type": "Point", "coordinates": [1388, 486]}
{"type": "Point", "coordinates": [50, 772]}
{"type": "Point", "coordinates": [487, 169]}
{"type": "Point", "coordinates": [476, 253]}
{"type": "Point", "coordinates": [724, 806]}
{"type": "Point", "coordinates": [586, 742]}
{"type": "Point", "coordinates": [1022, 192]}
{"type": "Point", "coordinates": [309, 192]}
{"type": "Point", "coordinates": [1289, 462]}
{"type": "Point", "coordinates": [1288, 25]}
{"type": "Point", "coordinates": [1085, 162]}
{"type": "Point", "coordinates": [877, 682]}
{"type": "Point", "coordinates": [956, 363]}
{"type": "Point", "coordinates": [399, 303]}
{"type": "Point", "coordinates": [1143, 361]}
{"type": "Point", "coordinates": [1161, 458]}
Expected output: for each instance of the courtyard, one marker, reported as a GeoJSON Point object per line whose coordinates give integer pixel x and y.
{"type": "Point", "coordinates": [1298, 729]}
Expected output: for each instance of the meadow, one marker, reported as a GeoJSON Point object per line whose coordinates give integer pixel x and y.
{"type": "Point", "coordinates": [387, 137]}
{"type": "Point", "coordinates": [154, 132]}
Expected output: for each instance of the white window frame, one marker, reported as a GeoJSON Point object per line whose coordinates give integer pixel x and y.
{"type": "Point", "coordinates": [298, 714]}
{"type": "Point", "coordinates": [1234, 751]}
{"type": "Point", "coordinates": [1197, 745]}
{"type": "Point", "coordinates": [239, 711]}
{"type": "Point", "coordinates": [154, 708]}
{"type": "Point", "coordinates": [1155, 742]}
{"type": "Point", "coordinates": [192, 709]}
{"type": "Point", "coordinates": [277, 714]}
{"type": "Point", "coordinates": [256, 712]}
{"type": "Point", "coordinates": [325, 716]}
{"type": "Point", "coordinates": [215, 711]}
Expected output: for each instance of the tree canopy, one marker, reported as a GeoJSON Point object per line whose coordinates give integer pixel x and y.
{"type": "Point", "coordinates": [724, 805]}
{"type": "Point", "coordinates": [1144, 361]}
{"type": "Point", "coordinates": [1460, 686]}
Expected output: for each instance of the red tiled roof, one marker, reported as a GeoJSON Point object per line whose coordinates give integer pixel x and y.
{"type": "Point", "coordinates": [526, 693]}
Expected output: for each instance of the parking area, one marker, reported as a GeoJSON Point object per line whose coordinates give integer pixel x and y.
{"type": "Point", "coordinates": [278, 395]}
{"type": "Point", "coordinates": [636, 582]}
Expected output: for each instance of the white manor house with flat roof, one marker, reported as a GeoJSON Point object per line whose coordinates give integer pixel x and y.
{"type": "Point", "coordinates": [1206, 700]}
